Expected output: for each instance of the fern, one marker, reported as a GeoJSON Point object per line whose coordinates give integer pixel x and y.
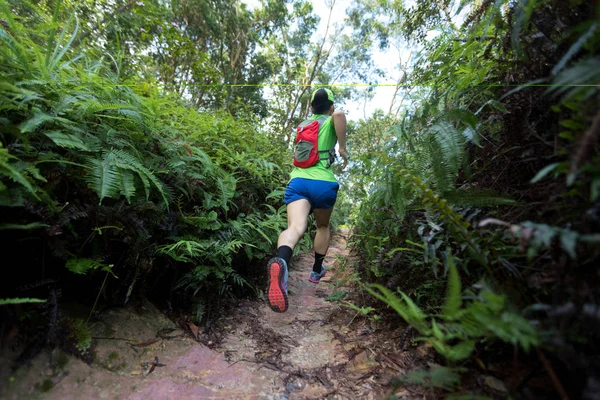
{"type": "Point", "coordinates": [4, 302]}
{"type": "Point", "coordinates": [462, 325]}
{"type": "Point", "coordinates": [127, 185]}
{"type": "Point", "coordinates": [404, 307]}
{"type": "Point", "coordinates": [7, 169]}
{"type": "Point", "coordinates": [38, 120]}
{"type": "Point", "coordinates": [25, 227]}
{"type": "Point", "coordinates": [103, 176]}
{"type": "Point", "coordinates": [582, 79]}
{"type": "Point", "coordinates": [575, 48]}
{"type": "Point", "coordinates": [454, 292]}
{"type": "Point", "coordinates": [111, 176]}
{"type": "Point", "coordinates": [82, 266]}
{"type": "Point", "coordinates": [66, 141]}
{"type": "Point", "coordinates": [127, 161]}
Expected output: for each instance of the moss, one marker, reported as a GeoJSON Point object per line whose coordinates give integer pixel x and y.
{"type": "Point", "coordinates": [113, 356]}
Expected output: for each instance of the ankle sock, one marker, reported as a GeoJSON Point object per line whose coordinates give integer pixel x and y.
{"type": "Point", "coordinates": [285, 252]}
{"type": "Point", "coordinates": [318, 262]}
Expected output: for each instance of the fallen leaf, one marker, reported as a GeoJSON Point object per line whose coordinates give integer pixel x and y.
{"type": "Point", "coordinates": [194, 329]}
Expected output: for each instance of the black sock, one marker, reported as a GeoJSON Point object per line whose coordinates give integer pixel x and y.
{"type": "Point", "coordinates": [318, 262]}
{"type": "Point", "coordinates": [285, 252]}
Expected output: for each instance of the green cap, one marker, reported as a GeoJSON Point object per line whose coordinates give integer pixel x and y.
{"type": "Point", "coordinates": [329, 95]}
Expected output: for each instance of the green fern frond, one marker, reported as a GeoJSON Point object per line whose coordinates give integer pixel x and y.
{"type": "Point", "coordinates": [67, 141]}
{"type": "Point", "coordinates": [405, 307]}
{"type": "Point", "coordinates": [10, 171]}
{"type": "Point", "coordinates": [574, 49]}
{"type": "Point", "coordinates": [127, 185]}
{"type": "Point", "coordinates": [460, 115]}
{"type": "Point", "coordinates": [16, 48]}
{"type": "Point", "coordinates": [187, 250]}
{"type": "Point", "coordinates": [82, 266]}
{"type": "Point", "coordinates": [451, 143]}
{"type": "Point", "coordinates": [23, 227]}
{"type": "Point", "coordinates": [209, 221]}
{"type": "Point", "coordinates": [126, 161]}
{"type": "Point", "coordinates": [454, 292]}
{"type": "Point", "coordinates": [40, 118]}
{"type": "Point", "coordinates": [20, 300]}
{"type": "Point", "coordinates": [456, 352]}
{"type": "Point", "coordinates": [581, 79]}
{"type": "Point", "coordinates": [103, 176]}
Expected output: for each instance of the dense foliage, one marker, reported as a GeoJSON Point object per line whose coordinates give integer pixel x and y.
{"type": "Point", "coordinates": [138, 156]}
{"type": "Point", "coordinates": [485, 177]}
{"type": "Point", "coordinates": [112, 186]}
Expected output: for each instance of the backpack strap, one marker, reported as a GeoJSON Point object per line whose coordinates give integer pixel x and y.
{"type": "Point", "coordinates": [321, 120]}
{"type": "Point", "coordinates": [326, 155]}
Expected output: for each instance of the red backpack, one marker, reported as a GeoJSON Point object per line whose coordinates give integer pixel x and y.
{"type": "Point", "coordinates": [306, 144]}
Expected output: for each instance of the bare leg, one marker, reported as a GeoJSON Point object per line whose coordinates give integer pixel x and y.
{"type": "Point", "coordinates": [322, 217]}
{"type": "Point", "coordinates": [297, 212]}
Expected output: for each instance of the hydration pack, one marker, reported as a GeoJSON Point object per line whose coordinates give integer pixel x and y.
{"type": "Point", "coordinates": [306, 144]}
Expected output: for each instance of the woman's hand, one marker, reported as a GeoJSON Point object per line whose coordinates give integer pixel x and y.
{"type": "Point", "coordinates": [344, 154]}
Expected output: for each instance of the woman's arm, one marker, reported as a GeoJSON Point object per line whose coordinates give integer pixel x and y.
{"type": "Point", "coordinates": [339, 123]}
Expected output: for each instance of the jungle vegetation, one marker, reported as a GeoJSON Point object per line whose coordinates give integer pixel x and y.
{"type": "Point", "coordinates": [144, 149]}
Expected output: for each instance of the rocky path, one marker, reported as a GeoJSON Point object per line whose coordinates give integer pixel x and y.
{"type": "Point", "coordinates": [317, 349]}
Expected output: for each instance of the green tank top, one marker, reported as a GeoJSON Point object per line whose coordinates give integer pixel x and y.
{"type": "Point", "coordinates": [327, 140]}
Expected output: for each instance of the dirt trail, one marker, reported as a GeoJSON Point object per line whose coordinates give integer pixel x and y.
{"type": "Point", "coordinates": [308, 352]}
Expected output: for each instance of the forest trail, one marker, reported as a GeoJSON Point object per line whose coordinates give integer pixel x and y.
{"type": "Point", "coordinates": [317, 349]}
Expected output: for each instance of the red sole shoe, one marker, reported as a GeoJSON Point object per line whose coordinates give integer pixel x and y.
{"type": "Point", "coordinates": [276, 294]}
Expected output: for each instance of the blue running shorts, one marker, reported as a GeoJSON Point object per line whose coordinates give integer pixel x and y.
{"type": "Point", "coordinates": [320, 194]}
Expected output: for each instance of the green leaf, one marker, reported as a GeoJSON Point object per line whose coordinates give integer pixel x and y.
{"type": "Point", "coordinates": [543, 172]}
{"type": "Point", "coordinates": [39, 118]}
{"type": "Point", "coordinates": [405, 307]}
{"type": "Point", "coordinates": [20, 301]}
{"type": "Point", "coordinates": [67, 141]}
{"type": "Point", "coordinates": [454, 291]}
{"type": "Point", "coordinates": [127, 185]}
{"type": "Point", "coordinates": [26, 227]}
{"type": "Point", "coordinates": [81, 266]}
{"type": "Point", "coordinates": [574, 49]}
{"type": "Point", "coordinates": [568, 240]}
{"type": "Point", "coordinates": [61, 49]}
{"type": "Point", "coordinates": [104, 177]}
{"type": "Point", "coordinates": [494, 104]}
{"type": "Point", "coordinates": [570, 124]}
